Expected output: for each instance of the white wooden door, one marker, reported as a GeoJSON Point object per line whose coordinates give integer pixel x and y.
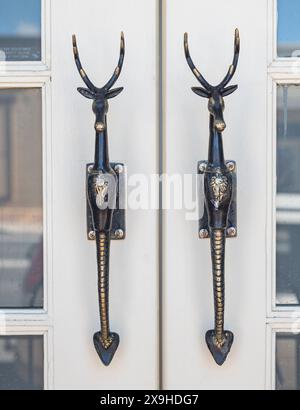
{"type": "Point", "coordinates": [262, 306]}
{"type": "Point", "coordinates": [133, 140]}
{"type": "Point", "coordinates": [46, 335]}
{"type": "Point", "coordinates": [188, 304]}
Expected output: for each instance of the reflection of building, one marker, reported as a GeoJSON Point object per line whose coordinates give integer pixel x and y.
{"type": "Point", "coordinates": [21, 362]}
{"type": "Point", "coordinates": [288, 362]}
{"type": "Point", "coordinates": [289, 50]}
{"type": "Point", "coordinates": [19, 48]}
{"type": "Point", "coordinates": [20, 194]}
{"type": "Point", "coordinates": [288, 200]}
{"type": "Point", "coordinates": [20, 142]}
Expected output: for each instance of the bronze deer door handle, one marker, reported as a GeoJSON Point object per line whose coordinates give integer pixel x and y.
{"type": "Point", "coordinates": [105, 192]}
{"type": "Point", "coordinates": [219, 182]}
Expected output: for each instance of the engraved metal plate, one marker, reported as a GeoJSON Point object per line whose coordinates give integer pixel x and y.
{"type": "Point", "coordinates": [119, 220]}
{"type": "Point", "coordinates": [203, 219]}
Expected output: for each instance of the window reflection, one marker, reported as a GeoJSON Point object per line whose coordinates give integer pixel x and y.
{"type": "Point", "coordinates": [21, 215]}
{"type": "Point", "coordinates": [288, 265]}
{"type": "Point", "coordinates": [287, 361]}
{"type": "Point", "coordinates": [288, 35]}
{"type": "Point", "coordinates": [20, 30]}
{"type": "Point", "coordinates": [288, 138]}
{"type": "Point", "coordinates": [21, 363]}
{"type": "Point", "coordinates": [288, 196]}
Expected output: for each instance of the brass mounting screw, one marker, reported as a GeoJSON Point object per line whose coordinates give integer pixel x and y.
{"type": "Point", "coordinates": [202, 167]}
{"type": "Point", "coordinates": [203, 234]}
{"type": "Point", "coordinates": [231, 232]}
{"type": "Point", "coordinates": [92, 235]}
{"type": "Point", "coordinates": [119, 234]}
{"type": "Point", "coordinates": [119, 169]}
{"type": "Point", "coordinates": [231, 166]}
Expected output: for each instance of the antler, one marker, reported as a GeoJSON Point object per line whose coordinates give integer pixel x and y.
{"type": "Point", "coordinates": [81, 71]}
{"type": "Point", "coordinates": [234, 64]}
{"type": "Point", "coordinates": [115, 75]}
{"type": "Point", "coordinates": [192, 66]}
{"type": "Point", "coordinates": [117, 71]}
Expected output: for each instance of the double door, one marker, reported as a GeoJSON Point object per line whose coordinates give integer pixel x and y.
{"type": "Point", "coordinates": [161, 291]}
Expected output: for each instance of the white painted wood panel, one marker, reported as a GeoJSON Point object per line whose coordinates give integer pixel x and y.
{"type": "Point", "coordinates": [133, 139]}
{"type": "Point", "coordinates": [188, 294]}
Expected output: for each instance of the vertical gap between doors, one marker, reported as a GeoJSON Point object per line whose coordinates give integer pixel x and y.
{"type": "Point", "coordinates": [161, 167]}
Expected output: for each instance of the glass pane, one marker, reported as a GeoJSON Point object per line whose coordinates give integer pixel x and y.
{"type": "Point", "coordinates": [288, 196]}
{"type": "Point", "coordinates": [288, 35]}
{"type": "Point", "coordinates": [288, 139]}
{"type": "Point", "coordinates": [288, 265]}
{"type": "Point", "coordinates": [21, 363]}
{"type": "Point", "coordinates": [21, 214]}
{"type": "Point", "coordinates": [20, 30]}
{"type": "Point", "coordinates": [287, 361]}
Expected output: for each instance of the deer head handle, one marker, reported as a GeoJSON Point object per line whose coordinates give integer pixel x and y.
{"type": "Point", "coordinates": [219, 192]}
{"type": "Point", "coordinates": [216, 93]}
{"type": "Point", "coordinates": [102, 194]}
{"type": "Point", "coordinates": [103, 94]}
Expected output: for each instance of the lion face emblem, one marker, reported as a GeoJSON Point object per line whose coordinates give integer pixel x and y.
{"type": "Point", "coordinates": [102, 192]}
{"type": "Point", "coordinates": [219, 185]}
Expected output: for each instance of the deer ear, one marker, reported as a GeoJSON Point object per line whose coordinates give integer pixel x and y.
{"type": "Point", "coordinates": [113, 93]}
{"type": "Point", "coordinates": [229, 90]}
{"type": "Point", "coordinates": [86, 93]}
{"type": "Point", "coordinates": [202, 92]}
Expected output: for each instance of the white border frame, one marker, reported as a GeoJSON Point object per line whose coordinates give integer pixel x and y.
{"type": "Point", "coordinates": [39, 314]}
{"type": "Point", "coordinates": [20, 75]}
{"type": "Point", "coordinates": [38, 321]}
{"type": "Point", "coordinates": [44, 64]}
{"type": "Point", "coordinates": [274, 311]}
{"type": "Point", "coordinates": [279, 319]}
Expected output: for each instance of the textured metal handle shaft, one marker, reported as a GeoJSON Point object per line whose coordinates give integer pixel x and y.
{"type": "Point", "coordinates": [106, 343]}
{"type": "Point", "coordinates": [103, 251]}
{"type": "Point", "coordinates": [218, 238]}
{"type": "Point", "coordinates": [219, 341]}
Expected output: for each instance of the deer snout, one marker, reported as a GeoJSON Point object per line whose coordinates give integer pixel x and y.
{"type": "Point", "coordinates": [220, 125]}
